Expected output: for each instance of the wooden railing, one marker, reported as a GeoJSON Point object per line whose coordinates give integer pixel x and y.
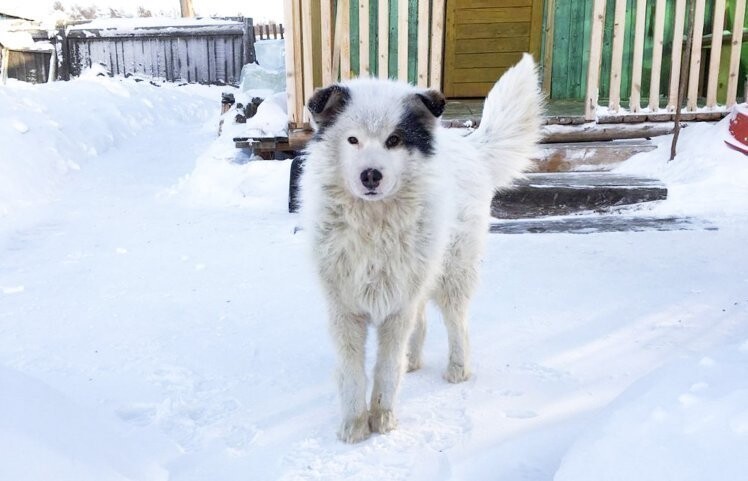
{"type": "Point", "coordinates": [698, 82]}
{"type": "Point", "coordinates": [319, 47]}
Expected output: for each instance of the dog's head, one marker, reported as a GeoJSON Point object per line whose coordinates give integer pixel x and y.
{"type": "Point", "coordinates": [378, 132]}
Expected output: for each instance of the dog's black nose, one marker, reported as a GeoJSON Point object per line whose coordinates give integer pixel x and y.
{"type": "Point", "coordinates": [370, 178]}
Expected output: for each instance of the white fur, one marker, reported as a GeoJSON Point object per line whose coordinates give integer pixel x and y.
{"type": "Point", "coordinates": [420, 236]}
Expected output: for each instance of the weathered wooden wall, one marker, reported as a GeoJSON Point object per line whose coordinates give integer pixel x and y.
{"type": "Point", "coordinates": [211, 55]}
{"type": "Point", "coordinates": [30, 67]}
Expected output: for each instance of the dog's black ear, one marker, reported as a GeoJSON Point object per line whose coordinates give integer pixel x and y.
{"type": "Point", "coordinates": [434, 101]}
{"type": "Point", "coordinates": [327, 103]}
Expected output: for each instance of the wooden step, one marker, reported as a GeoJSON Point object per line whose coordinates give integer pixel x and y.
{"type": "Point", "coordinates": [564, 157]}
{"type": "Point", "coordinates": [592, 224]}
{"type": "Point", "coordinates": [554, 194]}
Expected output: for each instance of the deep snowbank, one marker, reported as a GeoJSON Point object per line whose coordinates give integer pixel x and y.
{"type": "Point", "coordinates": [706, 178]}
{"type": "Point", "coordinates": [48, 131]}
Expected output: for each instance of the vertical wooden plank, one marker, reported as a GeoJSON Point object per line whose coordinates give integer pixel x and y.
{"type": "Point", "coordinates": [536, 28]}
{"type": "Point", "coordinates": [337, 41]}
{"type": "Point", "coordinates": [437, 44]}
{"type": "Point", "coordinates": [636, 70]}
{"type": "Point", "coordinates": [449, 48]}
{"type": "Point", "coordinates": [327, 35]}
{"type": "Point", "coordinates": [695, 68]}
{"type": "Point", "coordinates": [290, 18]}
{"type": "Point", "coordinates": [679, 22]}
{"type": "Point", "coordinates": [550, 21]}
{"type": "Point", "coordinates": [422, 76]}
{"type": "Point", "coordinates": [659, 31]}
{"type": "Point", "coordinates": [383, 39]}
{"type": "Point", "coordinates": [716, 50]}
{"type": "Point", "coordinates": [619, 28]}
{"type": "Point", "coordinates": [736, 47]}
{"type": "Point", "coordinates": [593, 70]}
{"type": "Point", "coordinates": [561, 35]}
{"type": "Point", "coordinates": [345, 39]}
{"type": "Point", "coordinates": [364, 68]}
{"type": "Point", "coordinates": [402, 40]}
{"type": "Point", "coordinates": [307, 50]}
{"type": "Point", "coordinates": [297, 63]}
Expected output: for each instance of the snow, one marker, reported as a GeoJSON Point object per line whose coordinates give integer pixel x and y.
{"type": "Point", "coordinates": [23, 41]}
{"type": "Point", "coordinates": [159, 318]}
{"type": "Point", "coordinates": [131, 24]}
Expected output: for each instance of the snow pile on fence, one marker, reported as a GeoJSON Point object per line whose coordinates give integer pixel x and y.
{"type": "Point", "coordinates": [43, 138]}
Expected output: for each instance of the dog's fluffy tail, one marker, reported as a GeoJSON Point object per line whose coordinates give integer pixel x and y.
{"type": "Point", "coordinates": [510, 127]}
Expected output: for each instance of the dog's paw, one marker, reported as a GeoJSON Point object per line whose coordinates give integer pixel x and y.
{"type": "Point", "coordinates": [414, 363]}
{"type": "Point", "coordinates": [456, 373]}
{"type": "Point", "coordinates": [354, 430]}
{"type": "Point", "coordinates": [382, 421]}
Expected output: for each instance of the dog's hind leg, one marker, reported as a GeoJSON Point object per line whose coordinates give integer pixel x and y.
{"type": "Point", "coordinates": [453, 298]}
{"type": "Point", "coordinates": [349, 334]}
{"type": "Point", "coordinates": [393, 340]}
{"type": "Point", "coordinates": [415, 348]}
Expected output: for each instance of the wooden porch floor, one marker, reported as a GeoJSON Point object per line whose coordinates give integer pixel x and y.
{"type": "Point", "coordinates": [460, 111]}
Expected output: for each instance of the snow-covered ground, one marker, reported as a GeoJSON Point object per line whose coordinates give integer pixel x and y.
{"type": "Point", "coordinates": [159, 319]}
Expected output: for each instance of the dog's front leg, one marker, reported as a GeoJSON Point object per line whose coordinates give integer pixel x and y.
{"type": "Point", "coordinates": [393, 338]}
{"type": "Point", "coordinates": [349, 334]}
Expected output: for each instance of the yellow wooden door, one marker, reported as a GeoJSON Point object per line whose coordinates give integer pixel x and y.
{"type": "Point", "coordinates": [484, 38]}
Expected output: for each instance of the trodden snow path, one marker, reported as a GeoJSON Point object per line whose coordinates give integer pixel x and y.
{"type": "Point", "coordinates": [146, 333]}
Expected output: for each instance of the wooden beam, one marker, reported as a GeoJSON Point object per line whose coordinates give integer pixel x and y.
{"type": "Point", "coordinates": [596, 50]}
{"type": "Point", "coordinates": [659, 31]}
{"type": "Point", "coordinates": [326, 37]}
{"type": "Point", "coordinates": [4, 65]}
{"type": "Point", "coordinates": [299, 112]}
{"type": "Point", "coordinates": [437, 44]}
{"type": "Point", "coordinates": [737, 44]}
{"type": "Point", "coordinates": [636, 71]}
{"type": "Point", "coordinates": [363, 38]}
{"type": "Point", "coordinates": [345, 39]}
{"type": "Point", "coordinates": [186, 8]}
{"type": "Point", "coordinates": [716, 50]}
{"type": "Point", "coordinates": [337, 45]}
{"type": "Point", "coordinates": [383, 59]}
{"type": "Point", "coordinates": [693, 78]}
{"type": "Point", "coordinates": [294, 117]}
{"type": "Point", "coordinates": [307, 47]}
{"type": "Point", "coordinates": [619, 30]}
{"type": "Point", "coordinates": [402, 40]}
{"type": "Point", "coordinates": [550, 23]}
{"type": "Point", "coordinates": [422, 70]}
{"type": "Point", "coordinates": [680, 16]}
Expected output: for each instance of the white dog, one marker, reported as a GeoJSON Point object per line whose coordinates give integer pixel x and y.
{"type": "Point", "coordinates": [398, 209]}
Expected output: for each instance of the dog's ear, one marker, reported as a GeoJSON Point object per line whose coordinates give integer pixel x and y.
{"type": "Point", "coordinates": [434, 101]}
{"type": "Point", "coordinates": [327, 103]}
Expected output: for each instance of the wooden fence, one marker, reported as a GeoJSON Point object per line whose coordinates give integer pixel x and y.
{"type": "Point", "coordinates": [269, 31]}
{"type": "Point", "coordinates": [321, 49]}
{"type": "Point", "coordinates": [211, 53]}
{"type": "Point", "coordinates": [702, 80]}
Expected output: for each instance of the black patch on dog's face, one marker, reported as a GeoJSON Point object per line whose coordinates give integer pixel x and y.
{"type": "Point", "coordinates": [327, 103]}
{"type": "Point", "coordinates": [416, 126]}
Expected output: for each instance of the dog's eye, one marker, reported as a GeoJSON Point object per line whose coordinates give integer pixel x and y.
{"type": "Point", "coordinates": [352, 140]}
{"type": "Point", "coordinates": [392, 141]}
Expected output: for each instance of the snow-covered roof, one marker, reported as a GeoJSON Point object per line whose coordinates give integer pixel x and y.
{"type": "Point", "coordinates": [12, 8]}
{"type": "Point", "coordinates": [23, 41]}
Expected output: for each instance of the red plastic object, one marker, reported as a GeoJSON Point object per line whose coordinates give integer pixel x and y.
{"type": "Point", "coordinates": [738, 138]}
